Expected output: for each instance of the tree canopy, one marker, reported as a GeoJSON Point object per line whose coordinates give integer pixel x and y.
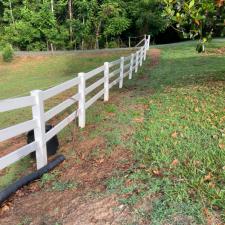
{"type": "Point", "coordinates": [196, 18]}
{"type": "Point", "coordinates": [83, 24]}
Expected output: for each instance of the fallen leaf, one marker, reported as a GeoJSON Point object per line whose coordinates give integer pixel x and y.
{"type": "Point", "coordinates": [157, 173]}
{"type": "Point", "coordinates": [175, 162]}
{"type": "Point", "coordinates": [128, 182]}
{"type": "Point", "coordinates": [174, 134]}
{"type": "Point", "coordinates": [5, 208]}
{"type": "Point", "coordinates": [196, 109]}
{"type": "Point", "coordinates": [111, 114]}
{"type": "Point", "coordinates": [212, 185]}
{"type": "Point", "coordinates": [100, 161]}
{"type": "Point", "coordinates": [208, 177]}
{"type": "Point", "coordinates": [142, 166]}
{"type": "Point", "coordinates": [20, 193]}
{"type": "Point", "coordinates": [222, 146]}
{"type": "Point", "coordinates": [138, 120]}
{"type": "Point", "coordinates": [147, 138]}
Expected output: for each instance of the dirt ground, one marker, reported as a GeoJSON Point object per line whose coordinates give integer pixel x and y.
{"type": "Point", "coordinates": [88, 203]}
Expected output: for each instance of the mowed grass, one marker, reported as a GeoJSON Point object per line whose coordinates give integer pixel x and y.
{"type": "Point", "coordinates": [180, 146]}
{"type": "Point", "coordinates": [28, 73]}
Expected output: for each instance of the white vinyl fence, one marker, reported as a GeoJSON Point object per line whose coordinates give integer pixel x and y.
{"type": "Point", "coordinates": [114, 73]}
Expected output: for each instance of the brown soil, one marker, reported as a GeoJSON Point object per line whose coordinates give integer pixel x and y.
{"type": "Point", "coordinates": [88, 203]}
{"type": "Point", "coordinates": [217, 51]}
{"type": "Point", "coordinates": [6, 147]}
{"type": "Point", "coordinates": [155, 57]}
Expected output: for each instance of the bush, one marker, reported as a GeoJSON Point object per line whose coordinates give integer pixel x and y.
{"type": "Point", "coordinates": [113, 44]}
{"type": "Point", "coordinates": [7, 53]}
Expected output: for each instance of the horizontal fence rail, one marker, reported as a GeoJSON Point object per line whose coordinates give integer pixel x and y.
{"type": "Point", "coordinates": [108, 75]}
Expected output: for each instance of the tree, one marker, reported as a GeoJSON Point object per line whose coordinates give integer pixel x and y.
{"type": "Point", "coordinates": [148, 16]}
{"type": "Point", "coordinates": [69, 24]}
{"type": "Point", "coordinates": [107, 18]}
{"type": "Point", "coordinates": [194, 18]}
{"type": "Point", "coordinates": [83, 25]}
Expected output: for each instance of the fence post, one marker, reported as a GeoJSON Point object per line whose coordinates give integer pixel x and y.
{"type": "Point", "coordinates": [39, 131]}
{"type": "Point", "coordinates": [149, 39]}
{"type": "Point", "coordinates": [121, 72]}
{"type": "Point", "coordinates": [145, 48]}
{"type": "Point", "coordinates": [106, 81]}
{"type": "Point", "coordinates": [131, 66]}
{"type": "Point", "coordinates": [141, 60]}
{"type": "Point", "coordinates": [136, 63]}
{"type": "Point", "coordinates": [81, 90]}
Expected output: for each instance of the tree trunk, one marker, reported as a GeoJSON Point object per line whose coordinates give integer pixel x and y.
{"type": "Point", "coordinates": [52, 48]}
{"type": "Point", "coordinates": [52, 10]}
{"type": "Point", "coordinates": [97, 36]}
{"type": "Point", "coordinates": [82, 41]}
{"type": "Point", "coordinates": [52, 6]}
{"type": "Point", "coordinates": [70, 18]}
{"type": "Point", "coordinates": [11, 12]}
{"type": "Point", "coordinates": [106, 42]}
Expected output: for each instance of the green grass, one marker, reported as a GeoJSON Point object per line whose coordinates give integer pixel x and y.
{"type": "Point", "coordinates": [179, 169]}
{"type": "Point", "coordinates": [25, 74]}
{"type": "Point", "coordinates": [182, 140]}
{"type": "Point", "coordinates": [41, 72]}
{"type": "Point", "coordinates": [14, 171]}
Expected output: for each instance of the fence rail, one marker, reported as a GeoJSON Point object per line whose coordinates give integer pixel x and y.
{"type": "Point", "coordinates": [117, 70]}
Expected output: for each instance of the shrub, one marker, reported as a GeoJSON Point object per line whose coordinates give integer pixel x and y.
{"type": "Point", "coordinates": [7, 53]}
{"type": "Point", "coordinates": [113, 44]}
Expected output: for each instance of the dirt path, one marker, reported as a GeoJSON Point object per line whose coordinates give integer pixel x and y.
{"type": "Point", "coordinates": [86, 201]}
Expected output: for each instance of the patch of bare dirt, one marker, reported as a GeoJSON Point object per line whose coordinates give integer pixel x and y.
{"type": "Point", "coordinates": [21, 60]}
{"type": "Point", "coordinates": [154, 57]}
{"type": "Point", "coordinates": [9, 146]}
{"type": "Point", "coordinates": [72, 206]}
{"type": "Point", "coordinates": [217, 51]}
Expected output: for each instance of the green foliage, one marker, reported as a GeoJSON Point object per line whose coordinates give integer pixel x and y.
{"type": "Point", "coordinates": [148, 14]}
{"type": "Point", "coordinates": [196, 18]}
{"type": "Point", "coordinates": [113, 44]}
{"type": "Point", "coordinates": [47, 177]}
{"type": "Point", "coordinates": [52, 25]}
{"type": "Point", "coordinates": [14, 171]}
{"type": "Point", "coordinates": [7, 53]}
{"type": "Point", "coordinates": [58, 27]}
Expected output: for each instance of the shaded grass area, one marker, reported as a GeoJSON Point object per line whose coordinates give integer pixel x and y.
{"type": "Point", "coordinates": [180, 146]}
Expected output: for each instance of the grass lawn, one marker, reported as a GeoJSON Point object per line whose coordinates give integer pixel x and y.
{"type": "Point", "coordinates": [28, 73]}
{"type": "Point", "coordinates": [180, 146]}
{"type": "Point", "coordinates": [172, 117]}
{"type": "Point", "coordinates": [40, 72]}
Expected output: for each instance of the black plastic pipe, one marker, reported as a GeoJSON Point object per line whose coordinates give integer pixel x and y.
{"type": "Point", "coordinates": [4, 195]}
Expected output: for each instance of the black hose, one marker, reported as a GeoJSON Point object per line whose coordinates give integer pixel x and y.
{"type": "Point", "coordinates": [29, 178]}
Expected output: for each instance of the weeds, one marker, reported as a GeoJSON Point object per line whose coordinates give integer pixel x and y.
{"type": "Point", "coordinates": [62, 186]}
{"type": "Point", "coordinates": [47, 177]}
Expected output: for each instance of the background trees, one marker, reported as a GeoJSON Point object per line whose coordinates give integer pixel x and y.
{"type": "Point", "coordinates": [82, 24]}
